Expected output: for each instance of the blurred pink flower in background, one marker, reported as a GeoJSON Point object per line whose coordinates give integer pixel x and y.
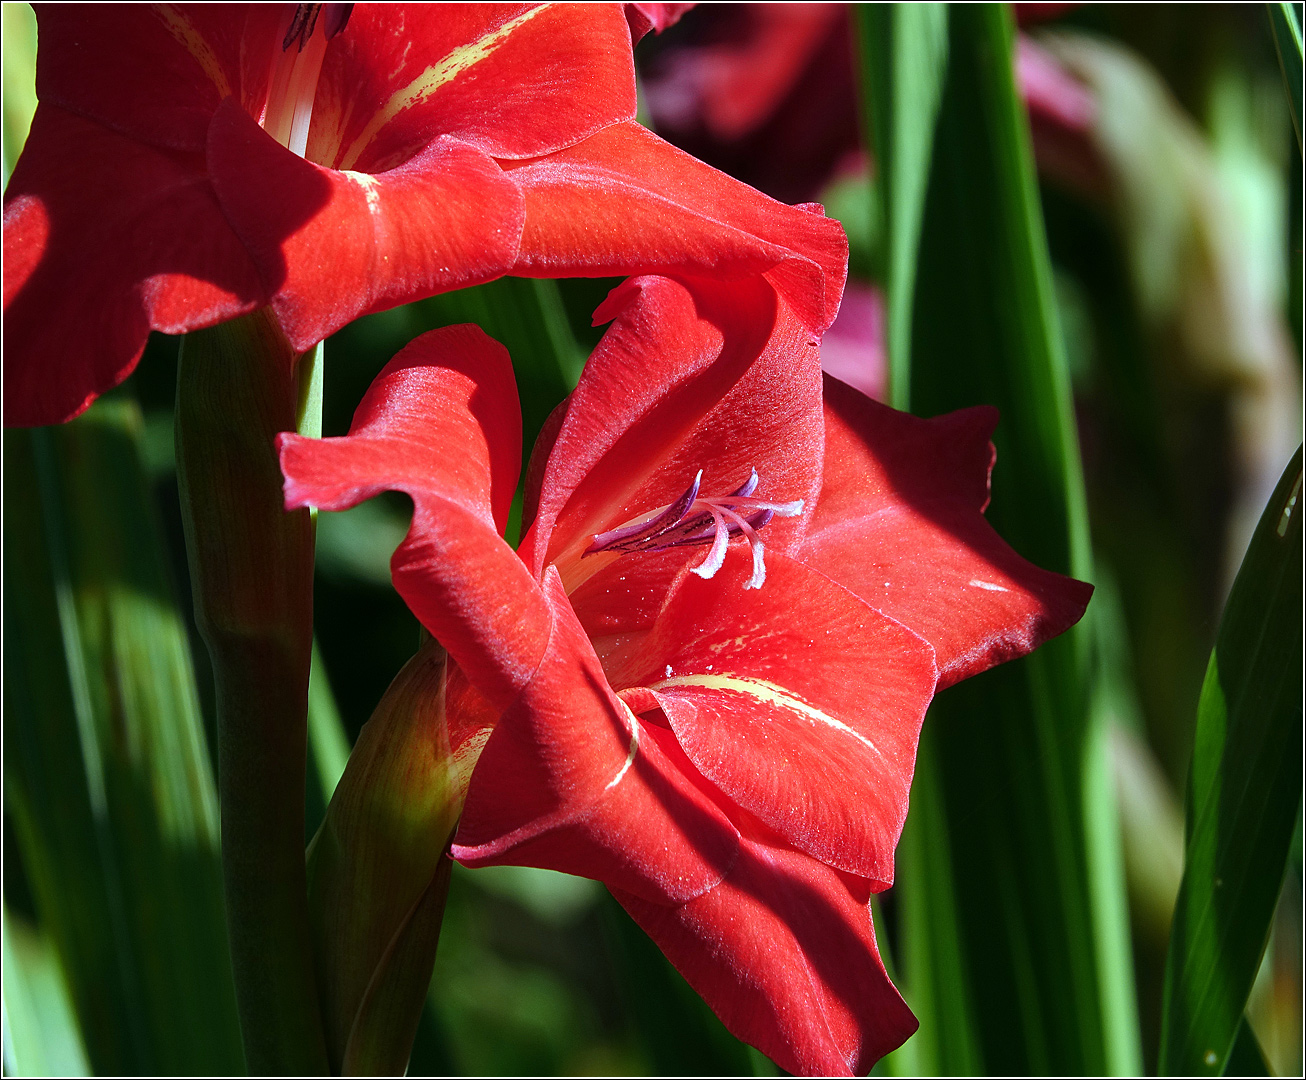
{"type": "Point", "coordinates": [768, 93]}
{"type": "Point", "coordinates": [853, 348]}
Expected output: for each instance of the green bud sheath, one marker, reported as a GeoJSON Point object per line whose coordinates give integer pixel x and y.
{"type": "Point", "coordinates": [251, 566]}
{"type": "Point", "coordinates": [379, 871]}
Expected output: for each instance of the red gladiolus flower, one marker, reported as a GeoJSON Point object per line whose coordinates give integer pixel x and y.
{"type": "Point", "coordinates": [189, 164]}
{"type": "Point", "coordinates": [701, 678]}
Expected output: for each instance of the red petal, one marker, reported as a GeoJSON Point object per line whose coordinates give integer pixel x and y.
{"type": "Point", "coordinates": [442, 424]}
{"type": "Point", "coordinates": [646, 17]}
{"type": "Point", "coordinates": [699, 375]}
{"type": "Point", "coordinates": [336, 245]}
{"type": "Point", "coordinates": [571, 780]}
{"type": "Point", "coordinates": [513, 80]}
{"type": "Point", "coordinates": [784, 952]}
{"type": "Point", "coordinates": [156, 72]}
{"type": "Point", "coordinates": [900, 523]}
{"type": "Point", "coordinates": [106, 238]}
{"type": "Point", "coordinates": [624, 596]}
{"type": "Point", "coordinates": [625, 202]}
{"type": "Point", "coordinates": [798, 701]}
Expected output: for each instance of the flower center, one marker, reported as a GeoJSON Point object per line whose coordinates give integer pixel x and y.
{"type": "Point", "coordinates": [695, 520]}
{"type": "Point", "coordinates": [292, 85]}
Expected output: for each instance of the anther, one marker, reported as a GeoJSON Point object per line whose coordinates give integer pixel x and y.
{"type": "Point", "coordinates": [301, 26]}
{"type": "Point", "coordinates": [304, 22]}
{"type": "Point", "coordinates": [695, 520]}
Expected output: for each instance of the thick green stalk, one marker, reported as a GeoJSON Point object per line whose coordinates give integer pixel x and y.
{"type": "Point", "coordinates": [251, 567]}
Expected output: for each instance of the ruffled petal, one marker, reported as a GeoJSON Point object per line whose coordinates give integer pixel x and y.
{"type": "Point", "coordinates": [156, 72]}
{"type": "Point", "coordinates": [784, 952]}
{"type": "Point", "coordinates": [626, 202]}
{"type": "Point", "coordinates": [106, 238]}
{"type": "Point", "coordinates": [512, 80]}
{"type": "Point", "coordinates": [900, 523]}
{"type": "Point", "coordinates": [335, 245]}
{"type": "Point", "coordinates": [442, 424]}
{"type": "Point", "coordinates": [695, 375]}
{"type": "Point", "coordinates": [645, 17]}
{"type": "Point", "coordinates": [799, 702]}
{"type": "Point", "coordinates": [572, 780]}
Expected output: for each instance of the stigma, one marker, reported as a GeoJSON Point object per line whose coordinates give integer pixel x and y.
{"type": "Point", "coordinates": [696, 520]}
{"type": "Point", "coordinates": [292, 85]}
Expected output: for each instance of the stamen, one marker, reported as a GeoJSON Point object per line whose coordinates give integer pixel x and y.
{"type": "Point", "coordinates": [648, 526]}
{"type": "Point", "coordinates": [292, 85]}
{"type": "Point", "coordinates": [754, 543]}
{"type": "Point", "coordinates": [748, 486]}
{"type": "Point", "coordinates": [694, 520]}
{"type": "Point", "coordinates": [708, 567]}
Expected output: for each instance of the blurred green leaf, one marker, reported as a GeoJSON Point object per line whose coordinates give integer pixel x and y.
{"type": "Point", "coordinates": [1010, 872]}
{"type": "Point", "coordinates": [554, 898]}
{"type": "Point", "coordinates": [517, 994]}
{"type": "Point", "coordinates": [1246, 1058]}
{"type": "Point", "coordinates": [853, 201]}
{"type": "Point", "coordinates": [904, 54]}
{"type": "Point", "coordinates": [932, 961]}
{"type": "Point", "coordinates": [1243, 795]}
{"type": "Point", "coordinates": [1286, 28]}
{"type": "Point", "coordinates": [19, 39]}
{"type": "Point", "coordinates": [356, 544]}
{"type": "Point", "coordinates": [327, 740]}
{"type": "Point", "coordinates": [40, 1030]}
{"type": "Point", "coordinates": [328, 744]}
{"type": "Point", "coordinates": [108, 779]}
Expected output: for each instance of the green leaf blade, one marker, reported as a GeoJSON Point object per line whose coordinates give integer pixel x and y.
{"type": "Point", "coordinates": [1286, 30]}
{"type": "Point", "coordinates": [109, 780]}
{"type": "Point", "coordinates": [1243, 796]}
{"type": "Point", "coordinates": [1027, 858]}
{"type": "Point", "coordinates": [40, 1031]}
{"type": "Point", "coordinates": [904, 49]}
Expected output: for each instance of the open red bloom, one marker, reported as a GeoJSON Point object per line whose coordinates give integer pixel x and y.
{"type": "Point", "coordinates": [701, 678]}
{"type": "Point", "coordinates": [435, 146]}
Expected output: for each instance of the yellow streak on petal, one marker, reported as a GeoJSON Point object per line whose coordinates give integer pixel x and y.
{"type": "Point", "coordinates": [634, 746]}
{"type": "Point", "coordinates": [369, 186]}
{"type": "Point", "coordinates": [767, 692]}
{"type": "Point", "coordinates": [434, 77]}
{"type": "Point", "coordinates": [466, 757]}
{"type": "Point", "coordinates": [190, 39]}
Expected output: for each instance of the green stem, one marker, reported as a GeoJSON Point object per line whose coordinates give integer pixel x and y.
{"type": "Point", "coordinates": [251, 567]}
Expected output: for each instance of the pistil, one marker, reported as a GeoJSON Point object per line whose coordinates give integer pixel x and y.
{"type": "Point", "coordinates": [694, 520]}
{"type": "Point", "coordinates": [292, 85]}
